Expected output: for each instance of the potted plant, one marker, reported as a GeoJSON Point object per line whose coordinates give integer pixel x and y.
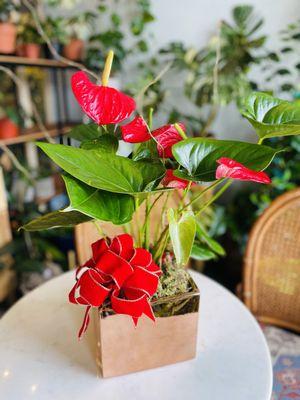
{"type": "Point", "coordinates": [8, 30]}
{"type": "Point", "coordinates": [78, 28]}
{"type": "Point", "coordinates": [9, 123]}
{"type": "Point", "coordinates": [139, 274]}
{"type": "Point", "coordinates": [29, 40]}
{"type": "Point", "coordinates": [55, 29]}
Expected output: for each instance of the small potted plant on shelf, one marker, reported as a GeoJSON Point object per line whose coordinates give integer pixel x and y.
{"type": "Point", "coordinates": [9, 123]}
{"type": "Point", "coordinates": [78, 29]}
{"type": "Point", "coordinates": [145, 302]}
{"type": "Point", "coordinates": [55, 29]}
{"type": "Point", "coordinates": [29, 40]}
{"type": "Point", "coordinates": [8, 30]}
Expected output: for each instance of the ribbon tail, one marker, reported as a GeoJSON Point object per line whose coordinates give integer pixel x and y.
{"type": "Point", "coordinates": [148, 311]}
{"type": "Point", "coordinates": [85, 322]}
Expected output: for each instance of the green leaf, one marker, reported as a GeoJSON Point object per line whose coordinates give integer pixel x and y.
{"type": "Point", "coordinates": [108, 143]}
{"type": "Point", "coordinates": [104, 171]}
{"type": "Point", "coordinates": [270, 116]}
{"type": "Point", "coordinates": [199, 156]}
{"type": "Point", "coordinates": [201, 252]}
{"type": "Point", "coordinates": [182, 233]}
{"type": "Point", "coordinates": [56, 219]}
{"type": "Point", "coordinates": [211, 243]}
{"type": "Point", "coordinates": [84, 132]}
{"type": "Point", "coordinates": [98, 204]}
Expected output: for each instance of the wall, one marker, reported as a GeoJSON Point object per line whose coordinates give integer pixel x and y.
{"type": "Point", "coordinates": [194, 21]}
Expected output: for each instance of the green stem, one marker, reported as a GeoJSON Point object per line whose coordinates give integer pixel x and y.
{"type": "Point", "coordinates": [260, 140]}
{"type": "Point", "coordinates": [150, 119]}
{"type": "Point", "coordinates": [216, 183]}
{"type": "Point", "coordinates": [186, 190]}
{"type": "Point", "coordinates": [162, 215]}
{"type": "Point", "coordinates": [139, 235]}
{"type": "Point", "coordinates": [147, 223]}
{"type": "Point", "coordinates": [99, 228]}
{"type": "Point", "coordinates": [161, 244]}
{"type": "Point", "coordinates": [214, 198]}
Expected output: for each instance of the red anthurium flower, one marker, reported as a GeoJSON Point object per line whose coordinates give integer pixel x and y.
{"type": "Point", "coordinates": [170, 180]}
{"type": "Point", "coordinates": [120, 272]}
{"type": "Point", "coordinates": [135, 131]}
{"type": "Point", "coordinates": [229, 168]}
{"type": "Point", "coordinates": [166, 137]}
{"type": "Point", "coordinates": [103, 104]}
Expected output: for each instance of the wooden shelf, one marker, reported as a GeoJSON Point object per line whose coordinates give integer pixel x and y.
{"type": "Point", "coordinates": [33, 134]}
{"type": "Point", "coordinates": [37, 62]}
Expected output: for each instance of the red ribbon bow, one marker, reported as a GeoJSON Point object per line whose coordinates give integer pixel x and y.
{"type": "Point", "coordinates": [117, 270]}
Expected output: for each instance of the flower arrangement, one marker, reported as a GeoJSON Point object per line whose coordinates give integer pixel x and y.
{"type": "Point", "coordinates": [124, 272]}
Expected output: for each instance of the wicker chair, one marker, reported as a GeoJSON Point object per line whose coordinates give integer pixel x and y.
{"type": "Point", "coordinates": [271, 286]}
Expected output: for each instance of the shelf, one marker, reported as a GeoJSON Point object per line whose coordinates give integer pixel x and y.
{"type": "Point", "coordinates": [29, 62]}
{"type": "Point", "coordinates": [33, 134]}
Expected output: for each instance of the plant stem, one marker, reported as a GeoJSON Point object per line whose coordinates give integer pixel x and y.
{"type": "Point", "coordinates": [162, 215]}
{"type": "Point", "coordinates": [150, 119]}
{"type": "Point", "coordinates": [186, 190]}
{"type": "Point", "coordinates": [99, 228]}
{"type": "Point", "coordinates": [214, 198]}
{"type": "Point", "coordinates": [147, 222]}
{"type": "Point", "coordinates": [161, 244]}
{"type": "Point", "coordinates": [216, 183]}
{"type": "Point", "coordinates": [260, 140]}
{"type": "Point", "coordinates": [107, 68]}
{"type": "Point", "coordinates": [139, 235]}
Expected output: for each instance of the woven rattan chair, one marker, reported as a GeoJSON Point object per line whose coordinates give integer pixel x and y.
{"type": "Point", "coordinates": [271, 286]}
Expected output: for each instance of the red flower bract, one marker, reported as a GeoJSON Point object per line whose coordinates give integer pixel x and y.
{"type": "Point", "coordinates": [103, 104]}
{"type": "Point", "coordinates": [170, 180]}
{"type": "Point", "coordinates": [229, 168]}
{"type": "Point", "coordinates": [126, 275]}
{"type": "Point", "coordinates": [135, 131]}
{"type": "Point", "coordinates": [166, 137]}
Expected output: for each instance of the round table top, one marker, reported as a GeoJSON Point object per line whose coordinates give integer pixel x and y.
{"type": "Point", "coordinates": [41, 358]}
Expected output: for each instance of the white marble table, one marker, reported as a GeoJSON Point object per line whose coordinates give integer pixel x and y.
{"type": "Point", "coordinates": [40, 357]}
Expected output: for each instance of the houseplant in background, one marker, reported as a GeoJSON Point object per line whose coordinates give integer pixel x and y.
{"type": "Point", "coordinates": [8, 29]}
{"type": "Point", "coordinates": [217, 74]}
{"type": "Point", "coordinates": [55, 29]}
{"type": "Point", "coordinates": [10, 122]}
{"type": "Point", "coordinates": [136, 273]}
{"type": "Point", "coordinates": [78, 28]}
{"type": "Point", "coordinates": [116, 29]}
{"type": "Point", "coordinates": [28, 40]}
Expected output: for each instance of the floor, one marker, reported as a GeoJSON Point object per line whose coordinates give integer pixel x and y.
{"type": "Point", "coordinates": [285, 351]}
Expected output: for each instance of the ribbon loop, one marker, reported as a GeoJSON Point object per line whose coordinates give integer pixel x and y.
{"type": "Point", "coordinates": [120, 273]}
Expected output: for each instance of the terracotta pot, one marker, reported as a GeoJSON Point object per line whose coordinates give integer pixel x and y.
{"type": "Point", "coordinates": [74, 50]}
{"type": "Point", "coordinates": [8, 33]}
{"type": "Point", "coordinates": [29, 50]}
{"type": "Point", "coordinates": [8, 129]}
{"type": "Point", "coordinates": [123, 348]}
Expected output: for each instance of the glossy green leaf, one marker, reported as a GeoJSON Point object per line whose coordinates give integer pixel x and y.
{"type": "Point", "coordinates": [85, 132]}
{"type": "Point", "coordinates": [56, 219]}
{"type": "Point", "coordinates": [198, 157]}
{"type": "Point", "coordinates": [108, 143]}
{"type": "Point", "coordinates": [98, 204]}
{"type": "Point", "coordinates": [201, 252]}
{"type": "Point", "coordinates": [270, 116]}
{"type": "Point", "coordinates": [182, 233]}
{"type": "Point", "coordinates": [211, 243]}
{"type": "Point", "coordinates": [104, 171]}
